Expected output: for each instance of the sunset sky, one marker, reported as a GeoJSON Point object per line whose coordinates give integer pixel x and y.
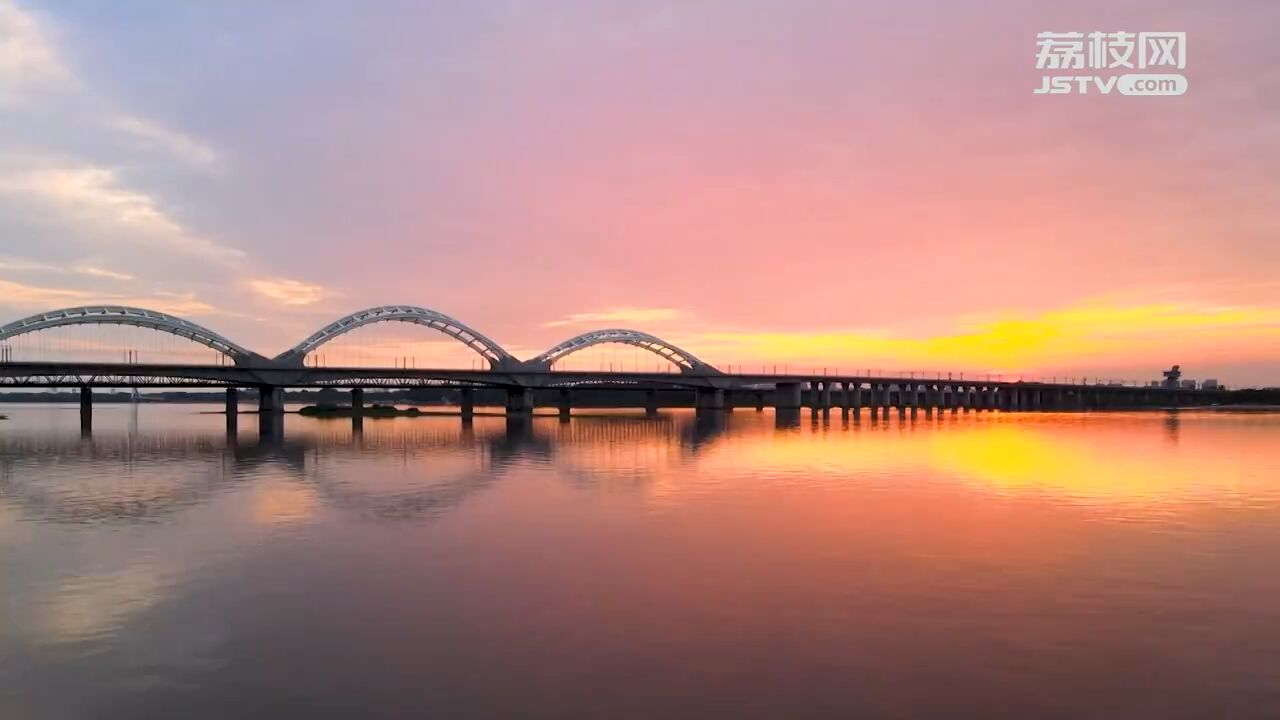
{"type": "Point", "coordinates": [810, 182]}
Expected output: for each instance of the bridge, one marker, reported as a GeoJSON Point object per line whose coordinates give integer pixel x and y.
{"type": "Point", "coordinates": [711, 388]}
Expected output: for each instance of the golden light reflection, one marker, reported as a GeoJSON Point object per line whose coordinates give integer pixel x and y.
{"type": "Point", "coordinates": [94, 604]}
{"type": "Point", "coordinates": [278, 502]}
{"type": "Point", "coordinates": [1106, 466]}
{"type": "Point", "coordinates": [1096, 459]}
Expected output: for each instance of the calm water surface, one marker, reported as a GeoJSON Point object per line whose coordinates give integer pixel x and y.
{"type": "Point", "coordinates": [1045, 566]}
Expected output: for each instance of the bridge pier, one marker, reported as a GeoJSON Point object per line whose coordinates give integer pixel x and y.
{"type": "Point", "coordinates": [357, 402]}
{"type": "Point", "coordinates": [855, 398]}
{"type": "Point", "coordinates": [909, 399]}
{"type": "Point", "coordinates": [565, 403]}
{"type": "Point", "coordinates": [519, 401]}
{"type": "Point", "coordinates": [86, 410]}
{"type": "Point", "coordinates": [786, 396]}
{"type": "Point", "coordinates": [233, 410]}
{"type": "Point", "coordinates": [826, 397]}
{"type": "Point", "coordinates": [759, 401]}
{"type": "Point", "coordinates": [650, 402]}
{"type": "Point", "coordinates": [709, 399]}
{"type": "Point", "coordinates": [467, 402]}
{"type": "Point", "coordinates": [270, 399]}
{"type": "Point", "coordinates": [785, 418]}
{"type": "Point", "coordinates": [270, 425]}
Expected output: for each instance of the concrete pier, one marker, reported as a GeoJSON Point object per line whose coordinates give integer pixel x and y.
{"type": "Point", "coordinates": [565, 403]}
{"type": "Point", "coordinates": [709, 399]}
{"type": "Point", "coordinates": [270, 425]}
{"type": "Point", "coordinates": [86, 410]}
{"type": "Point", "coordinates": [519, 401]}
{"type": "Point", "coordinates": [467, 401]}
{"type": "Point", "coordinates": [232, 410]}
{"type": "Point", "coordinates": [357, 401]}
{"type": "Point", "coordinates": [270, 399]}
{"type": "Point", "coordinates": [787, 396]}
{"type": "Point", "coordinates": [651, 402]}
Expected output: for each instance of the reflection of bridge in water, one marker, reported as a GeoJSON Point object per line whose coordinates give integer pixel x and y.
{"type": "Point", "coordinates": [525, 380]}
{"type": "Point", "coordinates": [210, 464]}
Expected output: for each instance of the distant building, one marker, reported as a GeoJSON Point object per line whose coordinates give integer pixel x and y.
{"type": "Point", "coordinates": [1187, 385]}
{"type": "Point", "coordinates": [1209, 384]}
{"type": "Point", "coordinates": [1172, 377]}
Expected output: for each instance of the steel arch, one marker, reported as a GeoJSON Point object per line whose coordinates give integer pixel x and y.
{"type": "Point", "coordinates": [123, 315]}
{"type": "Point", "coordinates": [473, 339]}
{"type": "Point", "coordinates": [680, 358]}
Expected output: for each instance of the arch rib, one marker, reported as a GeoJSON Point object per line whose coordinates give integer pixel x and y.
{"type": "Point", "coordinates": [473, 339]}
{"type": "Point", "coordinates": [672, 353]}
{"type": "Point", "coordinates": [124, 315]}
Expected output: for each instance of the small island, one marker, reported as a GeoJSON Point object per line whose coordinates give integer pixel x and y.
{"type": "Point", "coordinates": [326, 410]}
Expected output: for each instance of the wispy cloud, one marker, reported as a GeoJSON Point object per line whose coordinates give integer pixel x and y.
{"type": "Point", "coordinates": [96, 198]}
{"type": "Point", "coordinates": [29, 63]}
{"type": "Point", "coordinates": [184, 147]}
{"type": "Point", "coordinates": [36, 297]}
{"type": "Point", "coordinates": [101, 272]}
{"type": "Point", "coordinates": [619, 315]}
{"type": "Point", "coordinates": [288, 292]}
{"type": "Point", "coordinates": [23, 265]}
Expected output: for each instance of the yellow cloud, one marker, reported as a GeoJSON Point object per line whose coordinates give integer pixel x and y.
{"type": "Point", "coordinates": [288, 292]}
{"type": "Point", "coordinates": [1013, 344]}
